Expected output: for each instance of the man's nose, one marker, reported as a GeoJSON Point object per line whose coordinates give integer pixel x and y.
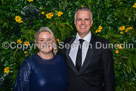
{"type": "Point", "coordinates": [82, 22]}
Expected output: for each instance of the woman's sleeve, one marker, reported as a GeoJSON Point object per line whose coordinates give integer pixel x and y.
{"type": "Point", "coordinates": [23, 77]}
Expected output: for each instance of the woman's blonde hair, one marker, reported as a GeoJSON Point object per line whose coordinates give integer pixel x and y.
{"type": "Point", "coordinates": [46, 29]}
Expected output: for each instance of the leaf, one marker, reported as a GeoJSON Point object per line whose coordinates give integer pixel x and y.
{"type": "Point", "coordinates": [5, 25]}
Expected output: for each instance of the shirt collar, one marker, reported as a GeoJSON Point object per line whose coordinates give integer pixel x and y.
{"type": "Point", "coordinates": [87, 38]}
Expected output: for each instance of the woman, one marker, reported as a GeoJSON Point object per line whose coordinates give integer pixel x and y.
{"type": "Point", "coordinates": [44, 71]}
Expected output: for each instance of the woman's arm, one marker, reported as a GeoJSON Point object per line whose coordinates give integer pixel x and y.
{"type": "Point", "coordinates": [23, 77]}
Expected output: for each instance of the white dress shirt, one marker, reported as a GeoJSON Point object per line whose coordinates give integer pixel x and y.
{"type": "Point", "coordinates": [75, 45]}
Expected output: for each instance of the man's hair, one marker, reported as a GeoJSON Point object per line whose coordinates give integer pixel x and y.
{"type": "Point", "coordinates": [84, 9]}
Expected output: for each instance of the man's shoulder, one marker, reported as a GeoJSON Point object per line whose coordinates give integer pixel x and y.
{"type": "Point", "coordinates": [100, 39]}
{"type": "Point", "coordinates": [67, 40]}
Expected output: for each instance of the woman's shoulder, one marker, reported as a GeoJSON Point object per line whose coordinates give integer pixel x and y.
{"type": "Point", "coordinates": [59, 56]}
{"type": "Point", "coordinates": [30, 59]}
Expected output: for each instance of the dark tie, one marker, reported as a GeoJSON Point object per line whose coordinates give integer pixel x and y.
{"type": "Point", "coordinates": [79, 55]}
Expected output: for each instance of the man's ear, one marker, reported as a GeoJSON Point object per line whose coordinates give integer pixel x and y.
{"type": "Point", "coordinates": [75, 22]}
{"type": "Point", "coordinates": [91, 22]}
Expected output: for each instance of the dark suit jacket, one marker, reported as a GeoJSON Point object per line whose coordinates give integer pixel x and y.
{"type": "Point", "coordinates": [97, 72]}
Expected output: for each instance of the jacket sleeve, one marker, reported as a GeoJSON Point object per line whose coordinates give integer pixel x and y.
{"type": "Point", "coordinates": [108, 69]}
{"type": "Point", "coordinates": [23, 77]}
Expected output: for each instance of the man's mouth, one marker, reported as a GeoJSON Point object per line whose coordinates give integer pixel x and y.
{"type": "Point", "coordinates": [82, 27]}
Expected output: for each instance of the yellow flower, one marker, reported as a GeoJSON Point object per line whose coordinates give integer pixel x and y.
{"type": "Point", "coordinates": [119, 46]}
{"type": "Point", "coordinates": [20, 21]}
{"type": "Point", "coordinates": [100, 27]}
{"type": "Point", "coordinates": [42, 13]}
{"type": "Point", "coordinates": [126, 30]}
{"type": "Point", "coordinates": [26, 43]}
{"type": "Point", "coordinates": [6, 70]}
{"type": "Point", "coordinates": [121, 32]}
{"type": "Point", "coordinates": [59, 13]}
{"type": "Point", "coordinates": [25, 52]}
{"type": "Point", "coordinates": [19, 41]}
{"type": "Point", "coordinates": [134, 6]}
{"type": "Point", "coordinates": [30, 0]}
{"type": "Point", "coordinates": [57, 40]}
{"type": "Point", "coordinates": [18, 18]}
{"type": "Point", "coordinates": [130, 28]}
{"type": "Point", "coordinates": [122, 28]}
{"type": "Point", "coordinates": [49, 15]}
{"type": "Point", "coordinates": [98, 30]}
{"type": "Point", "coordinates": [117, 51]}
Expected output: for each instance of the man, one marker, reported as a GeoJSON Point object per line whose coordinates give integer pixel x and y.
{"type": "Point", "coordinates": [90, 68]}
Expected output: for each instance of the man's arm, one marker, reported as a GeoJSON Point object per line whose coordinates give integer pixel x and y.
{"type": "Point", "coordinates": [108, 69]}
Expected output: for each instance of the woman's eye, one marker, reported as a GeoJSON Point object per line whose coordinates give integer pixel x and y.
{"type": "Point", "coordinates": [41, 40]}
{"type": "Point", "coordinates": [49, 39]}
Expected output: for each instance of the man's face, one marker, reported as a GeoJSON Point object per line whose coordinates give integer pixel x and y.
{"type": "Point", "coordinates": [83, 22]}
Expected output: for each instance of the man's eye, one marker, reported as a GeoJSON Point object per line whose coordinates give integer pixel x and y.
{"type": "Point", "coordinates": [79, 19]}
{"type": "Point", "coordinates": [87, 19]}
{"type": "Point", "coordinates": [41, 40]}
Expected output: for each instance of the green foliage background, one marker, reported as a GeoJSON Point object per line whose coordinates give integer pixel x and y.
{"type": "Point", "coordinates": [110, 14]}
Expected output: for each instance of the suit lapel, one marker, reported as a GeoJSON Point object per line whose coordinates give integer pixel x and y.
{"type": "Point", "coordinates": [69, 59]}
{"type": "Point", "coordinates": [89, 55]}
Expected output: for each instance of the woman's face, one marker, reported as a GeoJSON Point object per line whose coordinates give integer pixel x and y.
{"type": "Point", "coordinates": [45, 42]}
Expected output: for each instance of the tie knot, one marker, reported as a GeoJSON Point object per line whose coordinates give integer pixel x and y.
{"type": "Point", "coordinates": [81, 41]}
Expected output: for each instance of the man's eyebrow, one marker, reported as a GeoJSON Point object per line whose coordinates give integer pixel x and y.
{"type": "Point", "coordinates": [84, 19]}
